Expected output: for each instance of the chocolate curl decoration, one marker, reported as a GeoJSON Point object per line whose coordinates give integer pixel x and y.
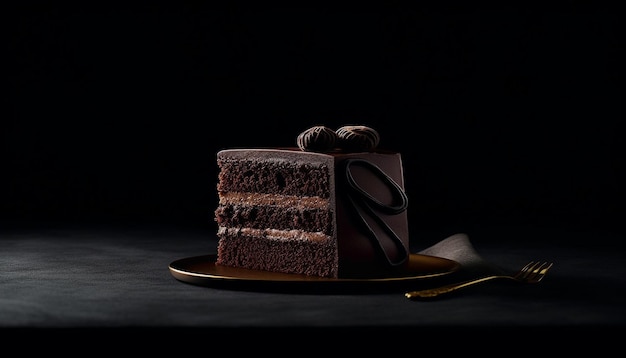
{"type": "Point", "coordinates": [358, 138]}
{"type": "Point", "coordinates": [317, 139]}
{"type": "Point", "coordinates": [364, 204]}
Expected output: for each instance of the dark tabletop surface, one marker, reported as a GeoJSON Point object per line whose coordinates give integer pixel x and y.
{"type": "Point", "coordinates": [93, 279]}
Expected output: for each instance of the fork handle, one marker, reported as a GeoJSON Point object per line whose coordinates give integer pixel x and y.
{"type": "Point", "coordinates": [434, 292]}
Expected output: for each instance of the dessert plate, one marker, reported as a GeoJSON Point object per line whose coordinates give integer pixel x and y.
{"type": "Point", "coordinates": [421, 271]}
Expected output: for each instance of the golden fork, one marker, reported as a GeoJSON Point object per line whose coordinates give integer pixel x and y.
{"type": "Point", "coordinates": [533, 272]}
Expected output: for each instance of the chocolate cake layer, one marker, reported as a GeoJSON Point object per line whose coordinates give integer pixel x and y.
{"type": "Point", "coordinates": [265, 172]}
{"type": "Point", "coordinates": [275, 216]}
{"type": "Point", "coordinates": [278, 251]}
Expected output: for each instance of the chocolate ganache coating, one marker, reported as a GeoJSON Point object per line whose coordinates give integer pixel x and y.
{"type": "Point", "coordinates": [357, 138]}
{"type": "Point", "coordinates": [317, 139]}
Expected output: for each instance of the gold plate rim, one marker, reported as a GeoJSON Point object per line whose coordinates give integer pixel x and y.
{"type": "Point", "coordinates": [201, 270]}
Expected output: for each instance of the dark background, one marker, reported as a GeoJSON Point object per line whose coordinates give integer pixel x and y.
{"type": "Point", "coordinates": [508, 118]}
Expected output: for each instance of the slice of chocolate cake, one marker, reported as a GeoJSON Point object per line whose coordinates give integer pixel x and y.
{"type": "Point", "coordinates": [331, 214]}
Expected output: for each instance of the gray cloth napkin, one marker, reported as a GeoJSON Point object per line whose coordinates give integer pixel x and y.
{"type": "Point", "coordinates": [459, 248]}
